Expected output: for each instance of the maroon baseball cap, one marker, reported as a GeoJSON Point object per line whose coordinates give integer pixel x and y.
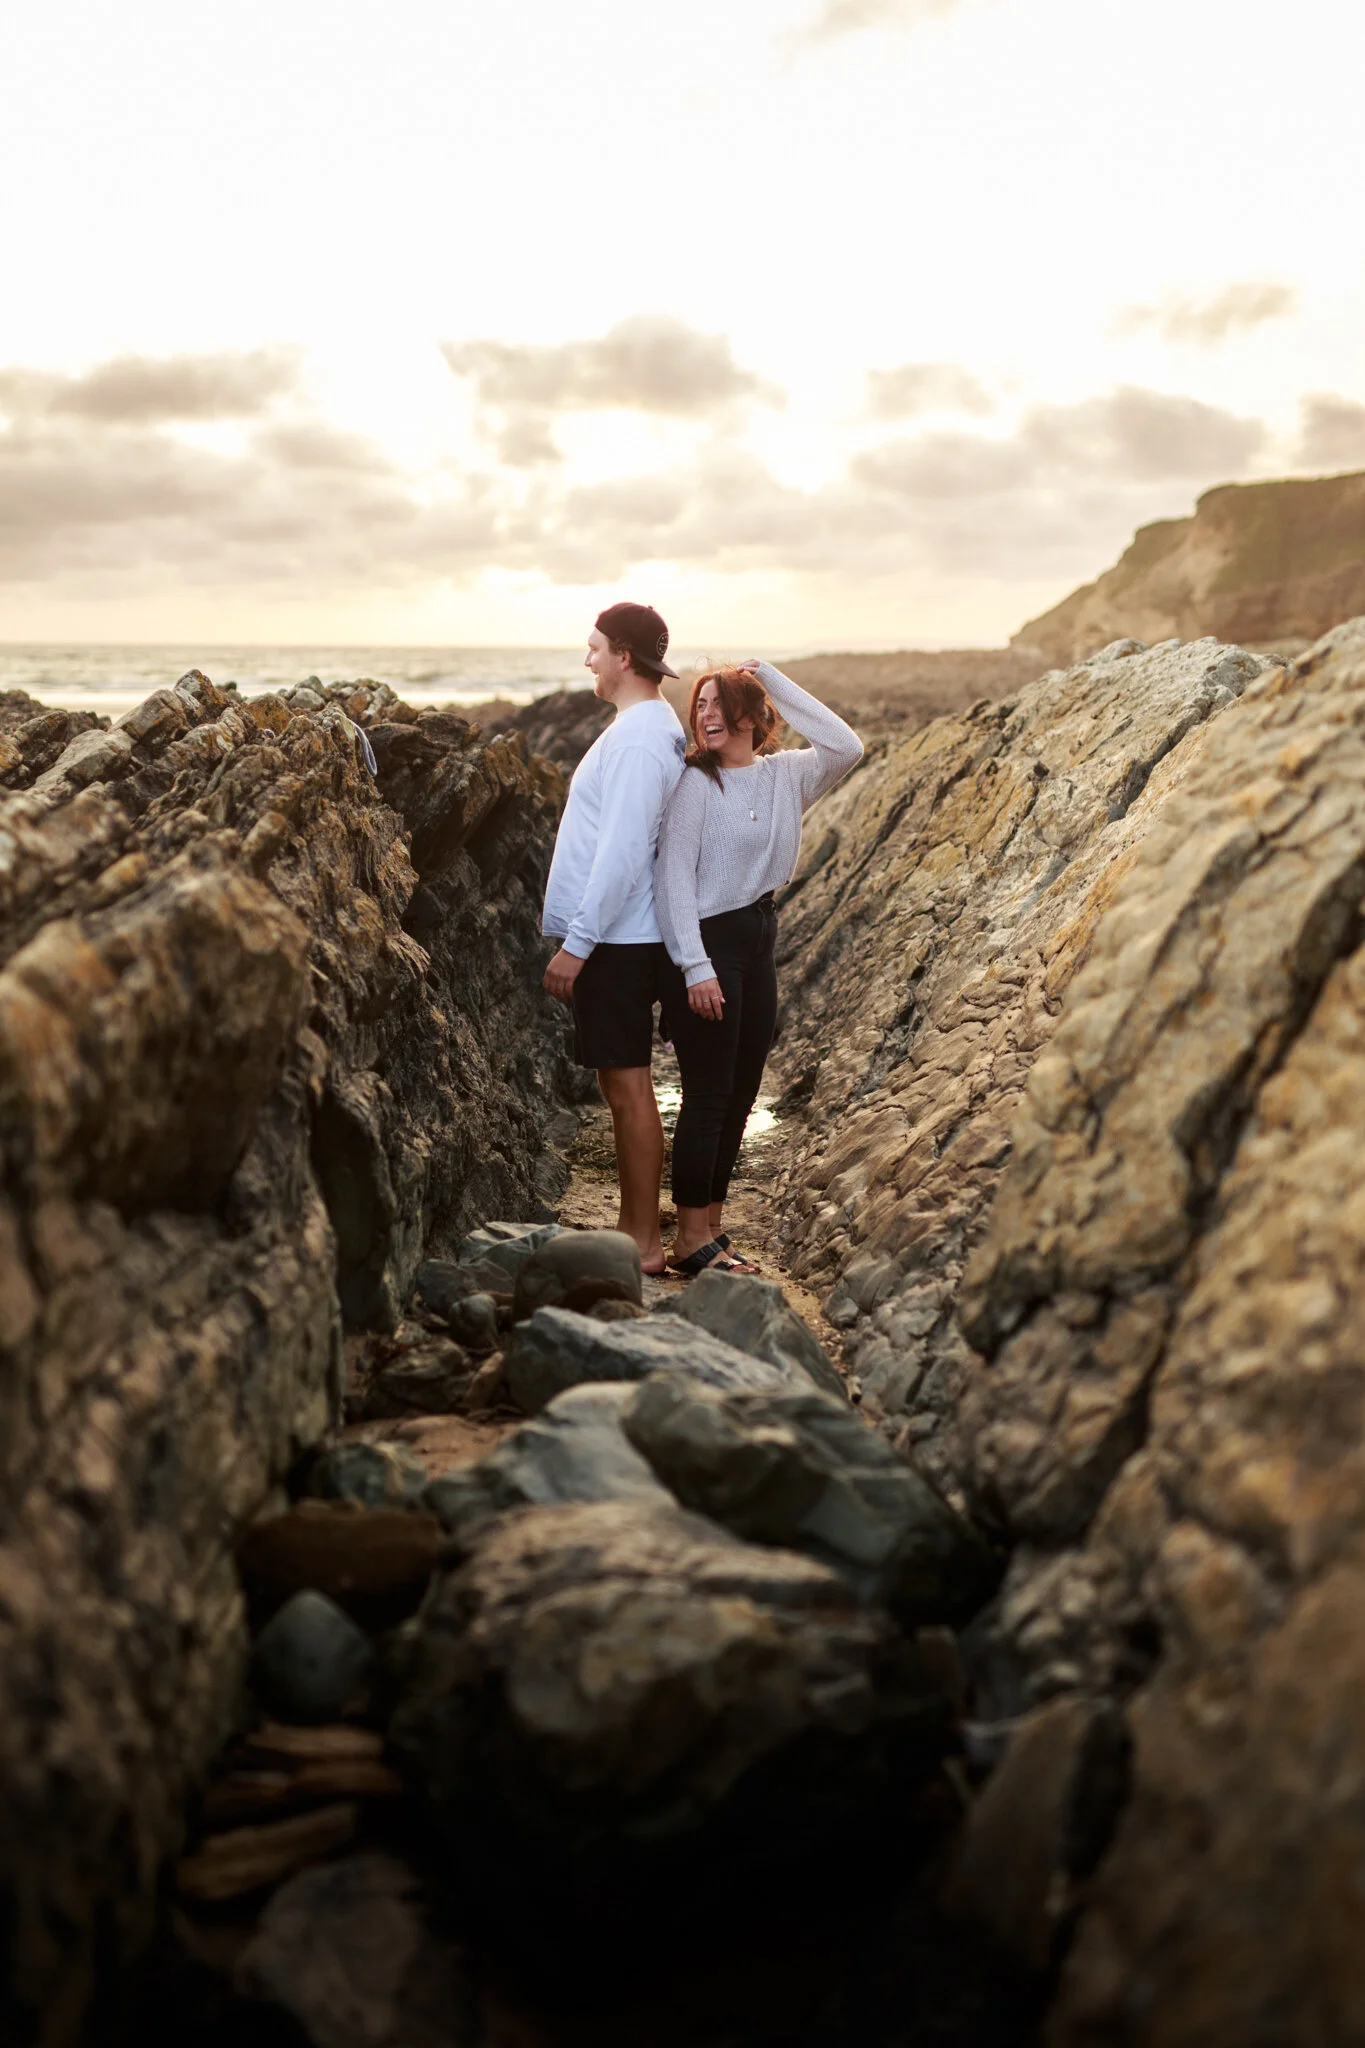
{"type": "Point", "coordinates": [639, 628]}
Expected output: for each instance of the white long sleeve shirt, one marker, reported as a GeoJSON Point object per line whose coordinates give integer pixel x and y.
{"type": "Point", "coordinates": [601, 886]}
{"type": "Point", "coordinates": [726, 844]}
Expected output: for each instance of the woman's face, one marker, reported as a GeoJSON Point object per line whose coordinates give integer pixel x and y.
{"type": "Point", "coordinates": [712, 731]}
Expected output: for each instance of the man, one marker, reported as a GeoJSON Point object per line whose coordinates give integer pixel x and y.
{"type": "Point", "coordinates": [599, 902]}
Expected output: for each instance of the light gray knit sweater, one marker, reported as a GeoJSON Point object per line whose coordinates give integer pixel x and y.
{"type": "Point", "coordinates": [725, 844]}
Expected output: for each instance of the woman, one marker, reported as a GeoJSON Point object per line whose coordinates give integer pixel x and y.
{"type": "Point", "coordinates": [731, 835]}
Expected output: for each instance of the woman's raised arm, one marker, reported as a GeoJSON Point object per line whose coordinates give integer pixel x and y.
{"type": "Point", "coordinates": [834, 746]}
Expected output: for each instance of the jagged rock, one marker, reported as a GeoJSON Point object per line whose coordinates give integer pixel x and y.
{"type": "Point", "coordinates": [755, 1316]}
{"type": "Point", "coordinates": [38, 734]}
{"type": "Point", "coordinates": [346, 1951]}
{"type": "Point", "coordinates": [1168, 1300]}
{"type": "Point", "coordinates": [311, 1662]}
{"type": "Point", "coordinates": [1038, 1828]}
{"type": "Point", "coordinates": [420, 1376]}
{"type": "Point", "coordinates": [574, 1450]}
{"type": "Point", "coordinates": [374, 1562]}
{"type": "Point", "coordinates": [374, 1475]}
{"type": "Point", "coordinates": [796, 1469]}
{"type": "Point", "coordinates": [1265, 563]}
{"type": "Point", "coordinates": [923, 969]}
{"type": "Point", "coordinates": [561, 726]}
{"type": "Point", "coordinates": [240, 983]}
{"type": "Point", "coordinates": [577, 1268]}
{"type": "Point", "coordinates": [613, 1696]}
{"type": "Point", "coordinates": [557, 1348]}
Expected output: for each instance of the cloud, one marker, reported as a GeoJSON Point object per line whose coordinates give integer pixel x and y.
{"type": "Point", "coordinates": [848, 17]}
{"type": "Point", "coordinates": [654, 365]}
{"type": "Point", "coordinates": [140, 390]}
{"type": "Point", "coordinates": [95, 503]}
{"type": "Point", "coordinates": [1333, 433]}
{"type": "Point", "coordinates": [1203, 323]}
{"type": "Point", "coordinates": [914, 388]}
{"type": "Point", "coordinates": [1129, 436]}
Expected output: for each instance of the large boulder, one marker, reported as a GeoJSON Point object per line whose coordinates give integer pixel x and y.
{"type": "Point", "coordinates": [557, 1348]}
{"type": "Point", "coordinates": [800, 1470]}
{"type": "Point", "coordinates": [612, 1700]}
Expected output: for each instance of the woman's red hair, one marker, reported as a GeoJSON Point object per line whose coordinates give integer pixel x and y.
{"type": "Point", "coordinates": [741, 696]}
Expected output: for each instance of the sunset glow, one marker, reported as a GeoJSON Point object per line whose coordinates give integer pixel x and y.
{"type": "Point", "coordinates": [870, 322]}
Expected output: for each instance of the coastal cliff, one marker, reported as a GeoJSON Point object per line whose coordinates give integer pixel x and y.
{"type": "Point", "coordinates": [1264, 564]}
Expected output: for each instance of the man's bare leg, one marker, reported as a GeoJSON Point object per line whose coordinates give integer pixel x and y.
{"type": "Point", "coordinates": [639, 1156]}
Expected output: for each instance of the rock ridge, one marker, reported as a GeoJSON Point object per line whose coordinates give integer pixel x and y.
{"type": "Point", "coordinates": [269, 1032]}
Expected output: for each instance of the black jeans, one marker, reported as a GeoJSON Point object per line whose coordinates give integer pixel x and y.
{"type": "Point", "coordinates": [722, 1063]}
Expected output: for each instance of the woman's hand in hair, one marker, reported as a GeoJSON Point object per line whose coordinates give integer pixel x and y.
{"type": "Point", "coordinates": [706, 999]}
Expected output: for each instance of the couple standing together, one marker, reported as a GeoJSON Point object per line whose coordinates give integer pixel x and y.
{"type": "Point", "coordinates": [661, 890]}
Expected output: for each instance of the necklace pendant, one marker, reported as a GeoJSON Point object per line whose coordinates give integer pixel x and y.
{"type": "Point", "coordinates": [754, 816]}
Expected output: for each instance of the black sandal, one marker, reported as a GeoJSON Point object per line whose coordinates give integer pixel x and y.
{"type": "Point", "coordinates": [723, 1240]}
{"type": "Point", "coordinates": [707, 1258]}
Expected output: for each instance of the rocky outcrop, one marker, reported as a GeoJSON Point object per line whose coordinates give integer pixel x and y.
{"type": "Point", "coordinates": [952, 889]}
{"type": "Point", "coordinates": [270, 1030]}
{"type": "Point", "coordinates": [1217, 1544]}
{"type": "Point", "coordinates": [615, 1708]}
{"type": "Point", "coordinates": [1092, 1213]}
{"type": "Point", "coordinates": [560, 727]}
{"type": "Point", "coordinates": [1265, 564]}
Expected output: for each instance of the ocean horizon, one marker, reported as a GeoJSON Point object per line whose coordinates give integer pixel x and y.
{"type": "Point", "coordinates": [112, 679]}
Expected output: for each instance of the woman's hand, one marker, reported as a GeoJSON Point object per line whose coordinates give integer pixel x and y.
{"type": "Point", "coordinates": [706, 999]}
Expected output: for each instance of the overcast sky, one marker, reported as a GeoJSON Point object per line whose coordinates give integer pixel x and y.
{"type": "Point", "coordinates": [814, 322]}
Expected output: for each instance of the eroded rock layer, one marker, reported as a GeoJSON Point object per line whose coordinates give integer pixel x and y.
{"type": "Point", "coordinates": [269, 1030]}
{"type": "Point", "coordinates": [950, 890]}
{"type": "Point", "coordinates": [1085, 1176]}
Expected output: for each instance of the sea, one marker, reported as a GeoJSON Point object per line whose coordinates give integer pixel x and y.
{"type": "Point", "coordinates": [112, 680]}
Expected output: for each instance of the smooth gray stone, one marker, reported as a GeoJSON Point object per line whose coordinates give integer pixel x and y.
{"type": "Point", "coordinates": [311, 1660]}
{"type": "Point", "coordinates": [505, 1245]}
{"type": "Point", "coordinates": [574, 1450]}
{"type": "Point", "coordinates": [802, 1471]}
{"type": "Point", "coordinates": [755, 1316]}
{"type": "Point", "coordinates": [557, 1348]}
{"type": "Point", "coordinates": [376, 1475]}
{"type": "Point", "coordinates": [473, 1321]}
{"type": "Point", "coordinates": [576, 1267]}
{"type": "Point", "coordinates": [486, 1263]}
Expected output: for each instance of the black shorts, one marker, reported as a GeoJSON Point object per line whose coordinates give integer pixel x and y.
{"type": "Point", "coordinates": [613, 1005]}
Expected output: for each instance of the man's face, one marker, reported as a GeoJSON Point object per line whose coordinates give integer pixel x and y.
{"type": "Point", "coordinates": [609, 670]}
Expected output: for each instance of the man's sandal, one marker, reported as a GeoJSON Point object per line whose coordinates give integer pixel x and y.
{"type": "Point", "coordinates": [708, 1258]}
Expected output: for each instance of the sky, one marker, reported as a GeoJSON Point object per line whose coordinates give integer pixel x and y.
{"type": "Point", "coordinates": [816, 323]}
